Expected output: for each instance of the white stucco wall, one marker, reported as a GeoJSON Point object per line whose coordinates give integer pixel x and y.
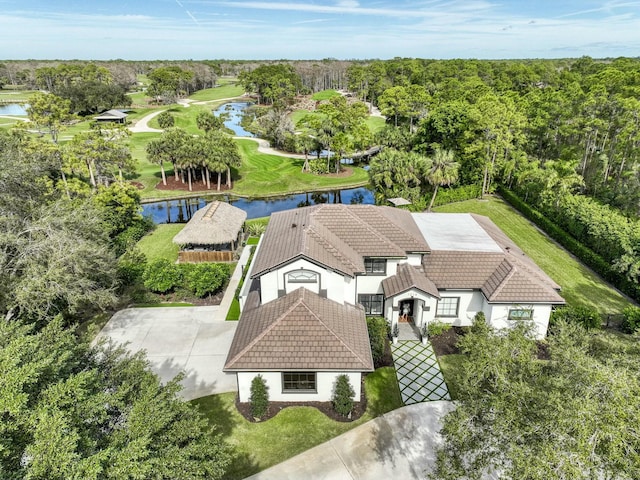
{"type": "Point", "coordinates": [424, 307]}
{"type": "Point", "coordinates": [498, 316]}
{"type": "Point", "coordinates": [471, 302]}
{"type": "Point", "coordinates": [324, 382]}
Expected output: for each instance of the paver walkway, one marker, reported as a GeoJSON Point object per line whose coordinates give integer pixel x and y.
{"type": "Point", "coordinates": [418, 372]}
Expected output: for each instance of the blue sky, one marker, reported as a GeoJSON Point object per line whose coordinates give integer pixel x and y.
{"type": "Point", "coordinates": [296, 29]}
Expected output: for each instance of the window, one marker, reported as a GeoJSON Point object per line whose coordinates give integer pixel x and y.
{"type": "Point", "coordinates": [299, 382]}
{"type": "Point", "coordinates": [302, 276]}
{"type": "Point", "coordinates": [372, 303]}
{"type": "Point", "coordinates": [375, 266]}
{"type": "Point", "coordinates": [520, 314]}
{"type": "Point", "coordinates": [448, 307]}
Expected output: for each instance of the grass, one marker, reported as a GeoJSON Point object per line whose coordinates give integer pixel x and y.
{"type": "Point", "coordinates": [263, 175]}
{"type": "Point", "coordinates": [580, 286]}
{"type": "Point", "coordinates": [15, 96]}
{"type": "Point", "coordinates": [325, 95]}
{"type": "Point", "coordinates": [375, 124]}
{"type": "Point", "coordinates": [88, 329]}
{"type": "Point", "coordinates": [227, 90]}
{"type": "Point", "coordinates": [451, 366]}
{"type": "Point", "coordinates": [295, 429]}
{"type": "Point", "coordinates": [253, 240]}
{"type": "Point", "coordinates": [158, 244]}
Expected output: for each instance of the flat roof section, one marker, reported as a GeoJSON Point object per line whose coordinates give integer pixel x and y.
{"type": "Point", "coordinates": [455, 231]}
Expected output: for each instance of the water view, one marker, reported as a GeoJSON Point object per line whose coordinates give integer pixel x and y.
{"type": "Point", "coordinates": [234, 112]}
{"type": "Point", "coordinates": [181, 210]}
{"type": "Point", "coordinates": [13, 109]}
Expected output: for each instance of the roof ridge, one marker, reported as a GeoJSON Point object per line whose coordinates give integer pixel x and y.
{"type": "Point", "coordinates": [368, 227]}
{"type": "Point", "coordinates": [329, 247]}
{"type": "Point", "coordinates": [507, 277]}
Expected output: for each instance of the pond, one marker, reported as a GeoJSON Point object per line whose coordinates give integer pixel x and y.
{"type": "Point", "coordinates": [234, 112]}
{"type": "Point", "coordinates": [13, 109]}
{"type": "Point", "coordinates": [181, 210]}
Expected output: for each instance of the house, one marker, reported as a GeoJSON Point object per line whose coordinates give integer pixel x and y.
{"type": "Point", "coordinates": [319, 271]}
{"type": "Point", "coordinates": [212, 235]}
{"type": "Point", "coordinates": [115, 116]}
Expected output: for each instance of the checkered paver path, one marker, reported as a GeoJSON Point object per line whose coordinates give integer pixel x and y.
{"type": "Point", "coordinates": [418, 372]}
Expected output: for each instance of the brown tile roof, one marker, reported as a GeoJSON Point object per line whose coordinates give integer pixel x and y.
{"type": "Point", "coordinates": [338, 236]}
{"type": "Point", "coordinates": [301, 331]}
{"type": "Point", "coordinates": [406, 278]}
{"type": "Point", "coordinates": [508, 277]}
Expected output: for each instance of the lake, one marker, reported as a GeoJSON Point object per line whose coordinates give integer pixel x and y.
{"type": "Point", "coordinates": [13, 109]}
{"type": "Point", "coordinates": [181, 210]}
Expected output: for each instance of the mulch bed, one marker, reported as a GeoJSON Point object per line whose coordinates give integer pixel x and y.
{"type": "Point", "coordinates": [325, 407]}
{"type": "Point", "coordinates": [196, 186]}
{"type": "Point", "coordinates": [446, 343]}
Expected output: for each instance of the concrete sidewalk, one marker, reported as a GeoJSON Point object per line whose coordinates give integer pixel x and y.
{"type": "Point", "coordinates": [398, 445]}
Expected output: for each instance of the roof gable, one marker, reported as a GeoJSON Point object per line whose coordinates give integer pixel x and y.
{"type": "Point", "coordinates": [338, 236]}
{"type": "Point", "coordinates": [301, 331]}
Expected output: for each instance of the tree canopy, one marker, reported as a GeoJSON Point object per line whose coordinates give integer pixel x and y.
{"type": "Point", "coordinates": [573, 416]}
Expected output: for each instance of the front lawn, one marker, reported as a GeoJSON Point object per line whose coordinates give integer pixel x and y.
{"type": "Point", "coordinates": [263, 174]}
{"type": "Point", "coordinates": [451, 366]}
{"type": "Point", "coordinates": [257, 446]}
{"type": "Point", "coordinates": [158, 244]}
{"type": "Point", "coordinates": [580, 286]}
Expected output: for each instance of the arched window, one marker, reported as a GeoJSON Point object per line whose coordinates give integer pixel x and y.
{"type": "Point", "coordinates": [302, 276]}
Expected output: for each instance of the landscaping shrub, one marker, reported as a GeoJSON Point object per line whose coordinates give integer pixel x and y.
{"type": "Point", "coordinates": [166, 120]}
{"type": "Point", "coordinates": [480, 325]}
{"type": "Point", "coordinates": [161, 275]}
{"type": "Point", "coordinates": [205, 278]}
{"type": "Point", "coordinates": [259, 398]}
{"type": "Point", "coordinates": [437, 328]}
{"type": "Point", "coordinates": [631, 322]}
{"type": "Point", "coordinates": [318, 166]}
{"type": "Point", "coordinates": [343, 394]}
{"type": "Point", "coordinates": [457, 194]}
{"type": "Point", "coordinates": [132, 234]}
{"type": "Point", "coordinates": [378, 334]}
{"type": "Point", "coordinates": [257, 227]}
{"type": "Point", "coordinates": [131, 267]}
{"type": "Point", "coordinates": [587, 317]}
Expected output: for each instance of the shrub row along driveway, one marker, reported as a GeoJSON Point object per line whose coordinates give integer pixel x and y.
{"type": "Point", "coordinates": [190, 339]}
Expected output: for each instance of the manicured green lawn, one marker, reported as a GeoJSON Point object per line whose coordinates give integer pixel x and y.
{"type": "Point", "coordinates": [159, 244]}
{"type": "Point", "coordinates": [16, 96]}
{"type": "Point", "coordinates": [325, 95]}
{"type": "Point", "coordinates": [451, 365]}
{"type": "Point", "coordinates": [263, 174]}
{"type": "Point", "coordinates": [295, 429]}
{"type": "Point", "coordinates": [228, 90]}
{"type": "Point", "coordinates": [580, 286]}
{"type": "Point", "coordinates": [375, 124]}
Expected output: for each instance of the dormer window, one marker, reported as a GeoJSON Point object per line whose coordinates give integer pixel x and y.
{"type": "Point", "coordinates": [302, 276]}
{"type": "Point", "coordinates": [375, 266]}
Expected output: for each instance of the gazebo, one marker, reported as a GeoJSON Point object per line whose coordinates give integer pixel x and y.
{"type": "Point", "coordinates": [115, 116]}
{"type": "Point", "coordinates": [212, 235]}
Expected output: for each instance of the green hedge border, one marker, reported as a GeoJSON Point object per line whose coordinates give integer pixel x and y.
{"type": "Point", "coordinates": [585, 254]}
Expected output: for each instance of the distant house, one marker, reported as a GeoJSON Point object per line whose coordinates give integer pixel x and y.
{"type": "Point", "coordinates": [115, 116]}
{"type": "Point", "coordinates": [319, 271]}
{"type": "Point", "coordinates": [212, 235]}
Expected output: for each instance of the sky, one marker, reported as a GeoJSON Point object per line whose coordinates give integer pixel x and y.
{"type": "Point", "coordinates": [296, 29]}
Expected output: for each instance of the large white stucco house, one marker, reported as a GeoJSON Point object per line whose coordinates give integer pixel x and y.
{"type": "Point", "coordinates": [319, 271]}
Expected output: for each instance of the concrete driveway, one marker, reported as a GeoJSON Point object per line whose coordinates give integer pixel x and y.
{"type": "Point", "coordinates": [399, 445]}
{"type": "Point", "coordinates": [190, 339]}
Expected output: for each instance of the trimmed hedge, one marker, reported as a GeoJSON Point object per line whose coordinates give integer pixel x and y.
{"type": "Point", "coordinates": [457, 194]}
{"type": "Point", "coordinates": [585, 254]}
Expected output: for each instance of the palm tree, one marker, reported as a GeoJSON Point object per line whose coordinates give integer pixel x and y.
{"type": "Point", "coordinates": [443, 171]}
